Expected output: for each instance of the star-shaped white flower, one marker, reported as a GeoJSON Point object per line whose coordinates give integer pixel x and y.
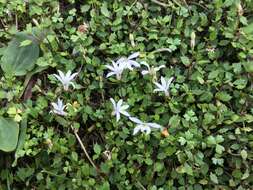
{"type": "Point", "coordinates": [118, 109]}
{"type": "Point", "coordinates": [143, 126]}
{"type": "Point", "coordinates": [116, 69]}
{"type": "Point", "coordinates": [151, 70]}
{"type": "Point", "coordinates": [164, 86]}
{"type": "Point", "coordinates": [128, 62]}
{"type": "Point", "coordinates": [66, 79]}
{"type": "Point", "coordinates": [58, 108]}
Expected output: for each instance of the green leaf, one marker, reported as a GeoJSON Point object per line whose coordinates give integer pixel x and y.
{"type": "Point", "coordinates": [244, 154]}
{"type": "Point", "coordinates": [214, 178]}
{"type": "Point", "coordinates": [248, 66]}
{"type": "Point", "coordinates": [245, 175]}
{"type": "Point", "coordinates": [213, 74]}
{"type": "Point", "coordinates": [104, 10]}
{"type": "Point", "coordinates": [211, 140]}
{"type": "Point", "coordinates": [18, 60]}
{"type": "Point", "coordinates": [185, 60]}
{"type": "Point", "coordinates": [223, 96]}
{"type": "Point", "coordinates": [188, 169]}
{"type": "Point", "coordinates": [97, 149]}
{"type": "Point", "coordinates": [219, 149]}
{"type": "Point", "coordinates": [240, 83]}
{"type": "Point", "coordinates": [21, 141]}
{"type": "Point", "coordinates": [9, 131]}
{"type": "Point", "coordinates": [174, 121]}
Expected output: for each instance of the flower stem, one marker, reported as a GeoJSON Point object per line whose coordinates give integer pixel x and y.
{"type": "Point", "coordinates": [84, 149]}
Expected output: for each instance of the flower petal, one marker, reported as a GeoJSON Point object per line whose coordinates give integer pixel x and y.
{"type": "Point", "coordinates": [61, 74]}
{"type": "Point", "coordinates": [110, 67]}
{"type": "Point", "coordinates": [144, 63]}
{"type": "Point", "coordinates": [113, 102]}
{"type": "Point", "coordinates": [163, 82]}
{"type": "Point", "coordinates": [73, 76]}
{"type": "Point", "coordinates": [158, 90]}
{"type": "Point", "coordinates": [125, 113]}
{"type": "Point", "coordinates": [154, 125]}
{"type": "Point", "coordinates": [134, 55]}
{"type": "Point", "coordinates": [68, 74]}
{"type": "Point", "coordinates": [110, 74]}
{"type": "Point", "coordinates": [133, 63]}
{"type": "Point", "coordinates": [136, 120]}
{"type": "Point", "coordinates": [159, 86]}
{"type": "Point", "coordinates": [144, 72]}
{"type": "Point", "coordinates": [119, 103]}
{"type": "Point", "coordinates": [136, 129]}
{"type": "Point", "coordinates": [146, 129]}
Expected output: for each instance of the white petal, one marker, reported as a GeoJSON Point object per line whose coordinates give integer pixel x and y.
{"type": "Point", "coordinates": [59, 103]}
{"type": "Point", "coordinates": [61, 74]}
{"type": "Point", "coordinates": [136, 129]}
{"type": "Point", "coordinates": [169, 82]}
{"type": "Point", "coordinates": [136, 120]}
{"type": "Point", "coordinates": [68, 74]}
{"type": "Point", "coordinates": [110, 67]}
{"type": "Point", "coordinates": [146, 129]}
{"type": "Point", "coordinates": [73, 76]}
{"type": "Point", "coordinates": [144, 72]}
{"type": "Point", "coordinates": [58, 77]}
{"type": "Point", "coordinates": [154, 125]}
{"type": "Point", "coordinates": [110, 74]}
{"type": "Point", "coordinates": [133, 63]}
{"type": "Point", "coordinates": [158, 90]}
{"type": "Point", "coordinates": [163, 82]}
{"type": "Point", "coordinates": [134, 55]}
{"type": "Point", "coordinates": [144, 63]}
{"type": "Point", "coordinates": [125, 113]}
{"type": "Point", "coordinates": [55, 106]}
{"type": "Point", "coordinates": [113, 102]}
{"type": "Point", "coordinates": [159, 86]}
{"type": "Point", "coordinates": [119, 103]}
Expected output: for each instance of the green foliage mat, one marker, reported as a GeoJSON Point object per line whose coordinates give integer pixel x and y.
{"type": "Point", "coordinates": [207, 139]}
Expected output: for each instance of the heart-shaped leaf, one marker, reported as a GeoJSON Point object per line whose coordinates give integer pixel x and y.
{"type": "Point", "coordinates": [18, 58]}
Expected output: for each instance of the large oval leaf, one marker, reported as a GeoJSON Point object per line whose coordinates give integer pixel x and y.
{"type": "Point", "coordinates": [20, 56]}
{"type": "Point", "coordinates": [9, 131]}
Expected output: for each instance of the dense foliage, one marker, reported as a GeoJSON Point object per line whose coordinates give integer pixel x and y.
{"type": "Point", "coordinates": [207, 140]}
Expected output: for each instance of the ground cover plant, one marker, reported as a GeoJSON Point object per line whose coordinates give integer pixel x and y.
{"type": "Point", "coordinates": [132, 94]}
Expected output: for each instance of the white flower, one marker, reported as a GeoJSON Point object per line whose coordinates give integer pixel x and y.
{"type": "Point", "coordinates": [118, 109]}
{"type": "Point", "coordinates": [66, 79]}
{"type": "Point", "coordinates": [59, 107]}
{"type": "Point", "coordinates": [129, 62]}
{"type": "Point", "coordinates": [143, 127]}
{"type": "Point", "coordinates": [164, 86]}
{"type": "Point", "coordinates": [151, 70]}
{"type": "Point", "coordinates": [116, 69]}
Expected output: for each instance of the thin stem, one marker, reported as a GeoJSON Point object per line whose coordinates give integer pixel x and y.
{"type": "Point", "coordinates": [139, 183]}
{"type": "Point", "coordinates": [84, 149]}
{"type": "Point", "coordinates": [160, 3]}
{"type": "Point", "coordinates": [16, 21]}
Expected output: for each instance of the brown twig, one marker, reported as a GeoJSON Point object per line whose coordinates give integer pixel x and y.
{"type": "Point", "coordinates": [84, 149]}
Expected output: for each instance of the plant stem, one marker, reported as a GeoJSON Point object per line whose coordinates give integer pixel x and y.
{"type": "Point", "coordinates": [84, 149]}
